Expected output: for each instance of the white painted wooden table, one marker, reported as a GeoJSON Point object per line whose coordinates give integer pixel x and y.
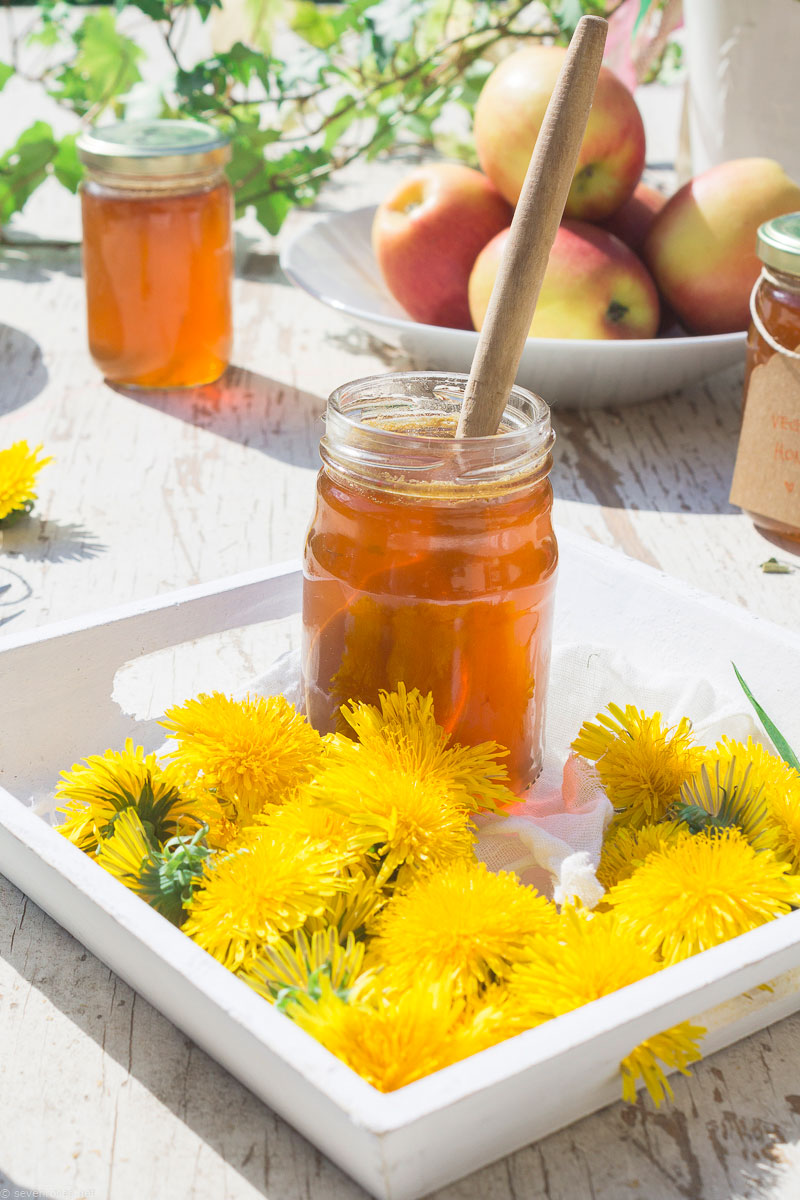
{"type": "Point", "coordinates": [99, 1095]}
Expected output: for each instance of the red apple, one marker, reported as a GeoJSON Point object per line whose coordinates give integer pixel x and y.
{"type": "Point", "coordinates": [701, 247]}
{"type": "Point", "coordinates": [427, 234]}
{"type": "Point", "coordinates": [509, 114]}
{"type": "Point", "coordinates": [631, 223]}
{"type": "Point", "coordinates": [594, 287]}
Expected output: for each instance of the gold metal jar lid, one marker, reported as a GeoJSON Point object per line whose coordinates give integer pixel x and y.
{"type": "Point", "coordinates": [778, 243]}
{"type": "Point", "coordinates": [153, 148]}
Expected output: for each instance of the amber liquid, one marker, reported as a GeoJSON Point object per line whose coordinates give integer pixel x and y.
{"type": "Point", "coordinates": [454, 599]}
{"type": "Point", "coordinates": [158, 271]}
{"type": "Point", "coordinates": [779, 309]}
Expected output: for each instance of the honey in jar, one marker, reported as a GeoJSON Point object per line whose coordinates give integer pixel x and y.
{"type": "Point", "coordinates": [431, 561]}
{"type": "Point", "coordinates": [157, 252]}
{"type": "Point", "coordinates": [766, 482]}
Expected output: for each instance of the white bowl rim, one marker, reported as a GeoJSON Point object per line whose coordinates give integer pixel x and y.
{"type": "Point", "coordinates": [404, 323]}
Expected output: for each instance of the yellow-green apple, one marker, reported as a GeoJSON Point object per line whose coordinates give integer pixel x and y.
{"type": "Point", "coordinates": [701, 247]}
{"type": "Point", "coordinates": [509, 114]}
{"type": "Point", "coordinates": [632, 221]}
{"type": "Point", "coordinates": [594, 287]}
{"type": "Point", "coordinates": [427, 234]}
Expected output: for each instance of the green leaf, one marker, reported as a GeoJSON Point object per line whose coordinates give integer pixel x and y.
{"type": "Point", "coordinates": [245, 65]}
{"type": "Point", "coordinates": [351, 15]}
{"type": "Point", "coordinates": [6, 72]}
{"type": "Point", "coordinates": [773, 567]}
{"type": "Point", "coordinates": [24, 167]}
{"type": "Point", "coordinates": [17, 514]}
{"type": "Point", "coordinates": [49, 35]}
{"type": "Point", "coordinates": [776, 737]}
{"type": "Point", "coordinates": [248, 169]}
{"type": "Point", "coordinates": [205, 7]}
{"type": "Point", "coordinates": [206, 89]}
{"type": "Point", "coordinates": [54, 27]}
{"type": "Point", "coordinates": [342, 117]}
{"type": "Point", "coordinates": [105, 65]}
{"type": "Point", "coordinates": [313, 25]}
{"type": "Point", "coordinates": [66, 164]}
{"type": "Point", "coordinates": [273, 210]}
{"type": "Point", "coordinates": [420, 125]}
{"type": "Point", "coordinates": [264, 17]}
{"type": "Point", "coordinates": [155, 9]}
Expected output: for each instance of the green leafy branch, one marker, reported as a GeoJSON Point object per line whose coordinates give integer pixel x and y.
{"type": "Point", "coordinates": [357, 80]}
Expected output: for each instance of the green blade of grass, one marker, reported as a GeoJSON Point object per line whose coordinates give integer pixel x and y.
{"type": "Point", "coordinates": [778, 740]}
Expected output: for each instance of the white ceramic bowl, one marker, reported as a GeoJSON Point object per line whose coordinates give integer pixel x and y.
{"type": "Point", "coordinates": [332, 259]}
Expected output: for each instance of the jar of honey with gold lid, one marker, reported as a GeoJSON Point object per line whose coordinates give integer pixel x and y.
{"type": "Point", "coordinates": [431, 561]}
{"type": "Point", "coordinates": [157, 251]}
{"type": "Point", "coordinates": [766, 481]}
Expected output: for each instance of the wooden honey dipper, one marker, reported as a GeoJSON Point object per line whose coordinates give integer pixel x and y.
{"type": "Point", "coordinates": [533, 230]}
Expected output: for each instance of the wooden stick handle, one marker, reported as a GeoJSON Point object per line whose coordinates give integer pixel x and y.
{"type": "Point", "coordinates": [533, 230]}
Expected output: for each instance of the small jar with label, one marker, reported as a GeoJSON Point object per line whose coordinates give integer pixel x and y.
{"type": "Point", "coordinates": [766, 481]}
{"type": "Point", "coordinates": [157, 252]}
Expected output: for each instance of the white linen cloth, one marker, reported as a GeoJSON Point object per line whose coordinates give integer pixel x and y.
{"type": "Point", "coordinates": [553, 837]}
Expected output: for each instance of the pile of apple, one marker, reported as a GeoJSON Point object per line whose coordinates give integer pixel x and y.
{"type": "Point", "coordinates": [626, 262]}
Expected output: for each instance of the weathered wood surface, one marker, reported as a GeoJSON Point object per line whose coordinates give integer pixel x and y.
{"type": "Point", "coordinates": [99, 1095]}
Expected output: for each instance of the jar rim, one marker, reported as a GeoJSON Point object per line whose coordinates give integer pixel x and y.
{"type": "Point", "coordinates": [358, 445]}
{"type": "Point", "coordinates": [163, 147]}
{"type": "Point", "coordinates": [778, 243]}
{"type": "Point", "coordinates": [450, 381]}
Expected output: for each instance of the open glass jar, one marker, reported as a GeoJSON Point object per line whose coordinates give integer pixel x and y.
{"type": "Point", "coordinates": [157, 252]}
{"type": "Point", "coordinates": [431, 561]}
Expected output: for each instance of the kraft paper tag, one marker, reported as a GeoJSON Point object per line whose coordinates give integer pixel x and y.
{"type": "Point", "coordinates": [766, 479]}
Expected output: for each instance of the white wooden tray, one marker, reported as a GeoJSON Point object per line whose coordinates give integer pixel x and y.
{"type": "Point", "coordinates": [56, 686]}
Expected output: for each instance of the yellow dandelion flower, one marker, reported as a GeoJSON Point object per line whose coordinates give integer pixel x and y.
{"type": "Point", "coordinates": [354, 910]}
{"type": "Point", "coordinates": [779, 786]}
{"type": "Point", "coordinates": [403, 731]}
{"type": "Point", "coordinates": [489, 1018]}
{"type": "Point", "coordinates": [165, 878]}
{"type": "Point", "coordinates": [588, 955]}
{"type": "Point", "coordinates": [593, 955]}
{"type": "Point", "coordinates": [725, 794]}
{"type": "Point", "coordinates": [296, 964]}
{"type": "Point", "coordinates": [462, 923]}
{"type": "Point", "coordinates": [304, 816]}
{"type": "Point", "coordinates": [675, 1048]}
{"type": "Point", "coordinates": [784, 812]}
{"type": "Point", "coordinates": [391, 1040]}
{"type": "Point", "coordinates": [254, 895]}
{"type": "Point", "coordinates": [625, 848]}
{"type": "Point", "coordinates": [252, 752]}
{"type": "Point", "coordinates": [127, 850]}
{"type": "Point", "coordinates": [702, 891]}
{"type": "Point", "coordinates": [223, 833]}
{"type": "Point", "coordinates": [19, 466]}
{"type": "Point", "coordinates": [404, 815]}
{"type": "Point", "coordinates": [95, 791]}
{"type": "Point", "coordinates": [642, 763]}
